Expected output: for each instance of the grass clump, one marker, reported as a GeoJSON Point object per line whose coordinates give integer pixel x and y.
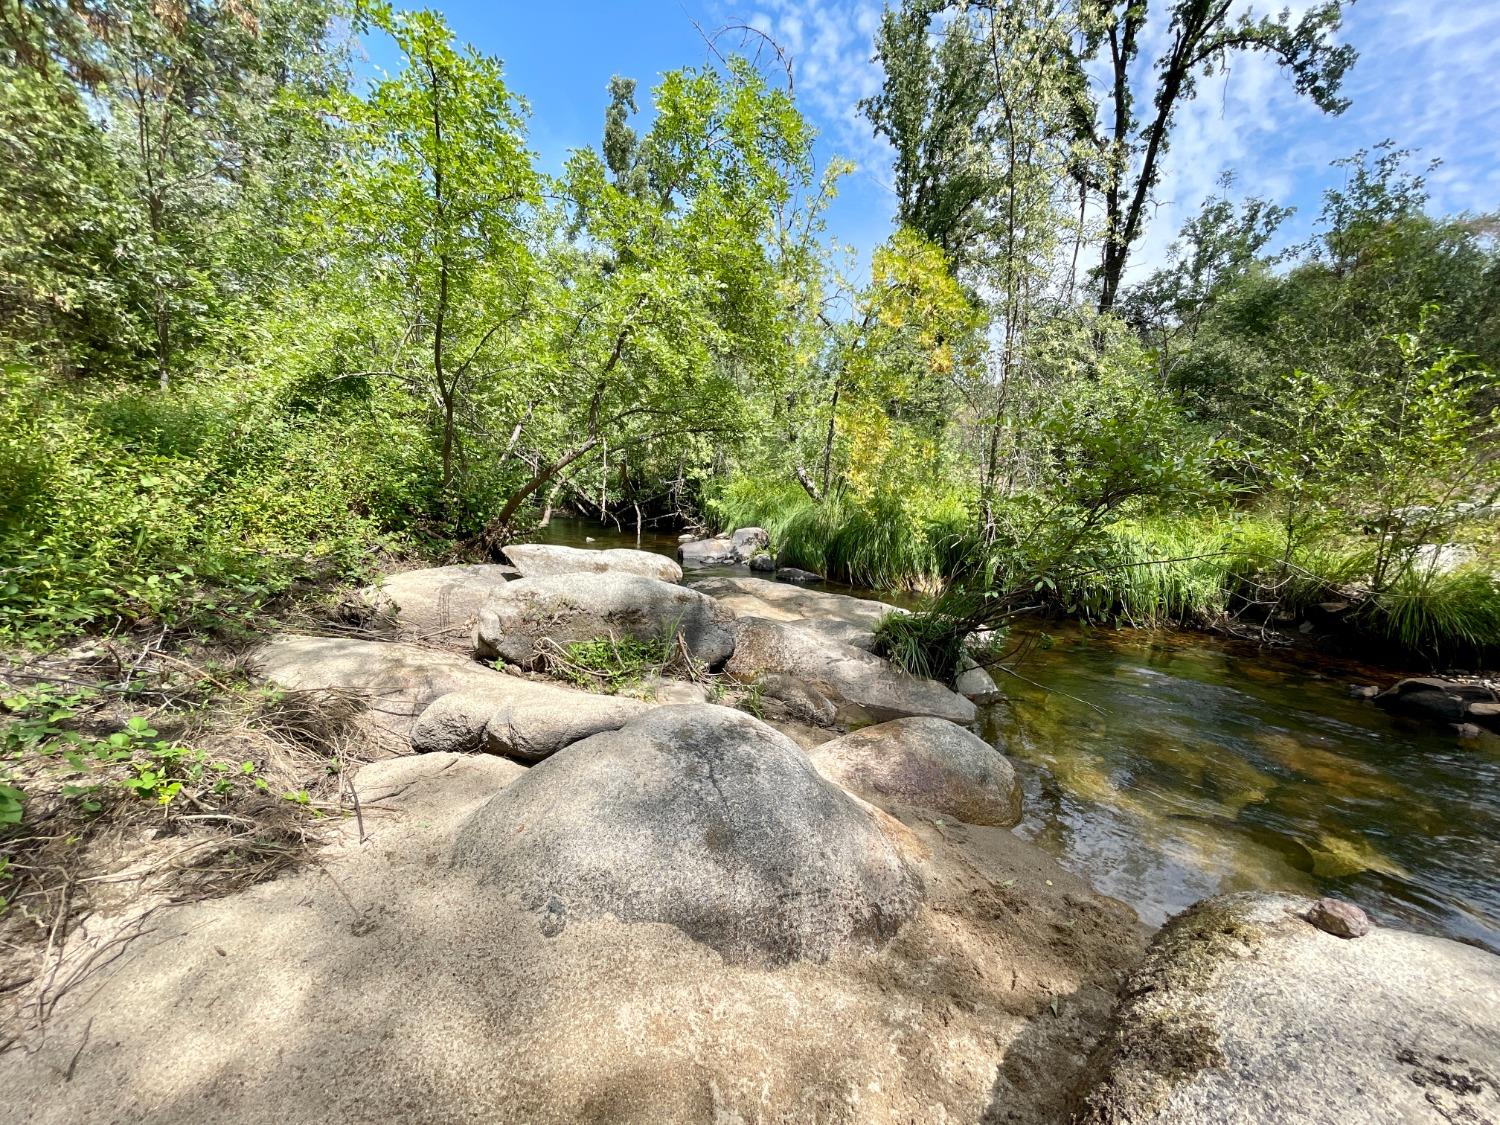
{"type": "Point", "coordinates": [617, 664]}
{"type": "Point", "coordinates": [884, 542]}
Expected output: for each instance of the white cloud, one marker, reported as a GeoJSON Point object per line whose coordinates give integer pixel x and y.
{"type": "Point", "coordinates": [1426, 77]}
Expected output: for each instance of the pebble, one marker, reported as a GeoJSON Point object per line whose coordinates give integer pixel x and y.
{"type": "Point", "coordinates": [1339, 918]}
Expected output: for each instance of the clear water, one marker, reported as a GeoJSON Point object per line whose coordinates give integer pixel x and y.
{"type": "Point", "coordinates": [1164, 767]}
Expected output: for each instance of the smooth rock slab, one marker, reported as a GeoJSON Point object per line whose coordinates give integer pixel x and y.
{"type": "Point", "coordinates": [792, 662]}
{"type": "Point", "coordinates": [543, 560]}
{"type": "Point", "coordinates": [836, 616]}
{"type": "Point", "coordinates": [532, 617]}
{"type": "Point", "coordinates": [424, 785]}
{"type": "Point", "coordinates": [925, 763]}
{"type": "Point", "coordinates": [396, 681]}
{"type": "Point", "coordinates": [1245, 1013]}
{"type": "Point", "coordinates": [702, 818]}
{"type": "Point", "coordinates": [520, 719]}
{"type": "Point", "coordinates": [439, 604]}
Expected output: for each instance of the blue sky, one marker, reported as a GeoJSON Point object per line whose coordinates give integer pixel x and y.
{"type": "Point", "coordinates": [1428, 77]}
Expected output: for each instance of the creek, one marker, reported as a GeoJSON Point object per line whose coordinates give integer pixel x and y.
{"type": "Point", "coordinates": [1166, 766]}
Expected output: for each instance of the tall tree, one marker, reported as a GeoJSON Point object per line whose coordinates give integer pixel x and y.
{"type": "Point", "coordinates": [1203, 38]}
{"type": "Point", "coordinates": [436, 203]}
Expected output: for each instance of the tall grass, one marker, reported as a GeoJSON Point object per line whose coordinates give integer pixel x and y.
{"type": "Point", "coordinates": [1202, 570]}
{"type": "Point", "coordinates": [884, 543]}
{"type": "Point", "coordinates": [1443, 616]}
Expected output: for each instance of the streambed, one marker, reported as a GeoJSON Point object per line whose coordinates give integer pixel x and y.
{"type": "Point", "coordinates": [1167, 766]}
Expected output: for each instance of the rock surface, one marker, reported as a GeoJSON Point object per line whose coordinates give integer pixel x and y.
{"type": "Point", "coordinates": [731, 550]}
{"type": "Point", "coordinates": [702, 818]}
{"type": "Point", "coordinates": [1244, 1012]}
{"type": "Point", "coordinates": [395, 682]}
{"type": "Point", "coordinates": [1339, 918]}
{"type": "Point", "coordinates": [521, 719]}
{"type": "Point", "coordinates": [793, 663]}
{"type": "Point", "coordinates": [383, 984]}
{"type": "Point", "coordinates": [542, 560]}
{"type": "Point", "coordinates": [836, 616]}
{"type": "Point", "coordinates": [421, 785]}
{"type": "Point", "coordinates": [1440, 700]}
{"type": "Point", "coordinates": [528, 619]}
{"type": "Point", "coordinates": [925, 763]}
{"type": "Point", "coordinates": [439, 604]}
{"type": "Point", "coordinates": [708, 552]}
{"type": "Point", "coordinates": [796, 574]}
{"type": "Point", "coordinates": [976, 683]}
{"type": "Point", "coordinates": [749, 542]}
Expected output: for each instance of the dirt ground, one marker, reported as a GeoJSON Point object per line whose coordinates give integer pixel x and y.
{"type": "Point", "coordinates": [380, 984]}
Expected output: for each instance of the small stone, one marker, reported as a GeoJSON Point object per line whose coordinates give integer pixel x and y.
{"type": "Point", "coordinates": [1363, 691]}
{"type": "Point", "coordinates": [1339, 918]}
{"type": "Point", "coordinates": [763, 562]}
{"type": "Point", "coordinates": [794, 574]}
{"type": "Point", "coordinates": [1467, 730]}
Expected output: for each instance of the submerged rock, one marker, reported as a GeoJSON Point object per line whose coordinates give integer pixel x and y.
{"type": "Point", "coordinates": [925, 763]}
{"type": "Point", "coordinates": [1440, 700]}
{"type": "Point", "coordinates": [533, 617]}
{"type": "Point", "coordinates": [791, 662]}
{"type": "Point", "coordinates": [542, 560]}
{"type": "Point", "coordinates": [1245, 1012]}
{"type": "Point", "coordinates": [702, 818]}
{"type": "Point", "coordinates": [522, 719]}
{"type": "Point", "coordinates": [795, 574]}
{"type": "Point", "coordinates": [439, 604]}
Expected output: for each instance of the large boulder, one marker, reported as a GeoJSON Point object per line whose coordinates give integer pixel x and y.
{"type": "Point", "coordinates": [702, 818]}
{"type": "Point", "coordinates": [789, 661]}
{"type": "Point", "coordinates": [836, 616]}
{"type": "Point", "coordinates": [749, 542]}
{"type": "Point", "coordinates": [439, 604]}
{"type": "Point", "coordinates": [394, 682]}
{"type": "Point", "coordinates": [541, 560]}
{"type": "Point", "coordinates": [925, 763]}
{"type": "Point", "coordinates": [732, 550]}
{"type": "Point", "coordinates": [516, 718]}
{"type": "Point", "coordinates": [708, 552]}
{"type": "Point", "coordinates": [531, 617]}
{"type": "Point", "coordinates": [1247, 1012]}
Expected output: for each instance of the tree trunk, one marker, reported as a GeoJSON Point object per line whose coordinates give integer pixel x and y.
{"type": "Point", "coordinates": [541, 477]}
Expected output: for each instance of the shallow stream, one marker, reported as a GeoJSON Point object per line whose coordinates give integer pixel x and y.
{"type": "Point", "coordinates": [1166, 766]}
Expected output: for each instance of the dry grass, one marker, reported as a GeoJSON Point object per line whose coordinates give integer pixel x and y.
{"type": "Point", "coordinates": [81, 878]}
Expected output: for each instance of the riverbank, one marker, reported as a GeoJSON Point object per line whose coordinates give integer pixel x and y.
{"type": "Point", "coordinates": [739, 911]}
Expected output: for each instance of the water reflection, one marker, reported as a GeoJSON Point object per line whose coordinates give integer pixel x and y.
{"type": "Point", "coordinates": [1165, 767]}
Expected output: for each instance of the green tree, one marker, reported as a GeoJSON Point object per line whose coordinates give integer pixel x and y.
{"type": "Point", "coordinates": [666, 308]}
{"type": "Point", "coordinates": [1203, 37]}
{"type": "Point", "coordinates": [435, 204]}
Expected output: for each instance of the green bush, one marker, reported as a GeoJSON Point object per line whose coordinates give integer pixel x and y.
{"type": "Point", "coordinates": [116, 506]}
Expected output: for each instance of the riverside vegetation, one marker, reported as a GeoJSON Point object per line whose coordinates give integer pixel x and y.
{"type": "Point", "coordinates": [262, 324]}
{"type": "Point", "coordinates": [269, 332]}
